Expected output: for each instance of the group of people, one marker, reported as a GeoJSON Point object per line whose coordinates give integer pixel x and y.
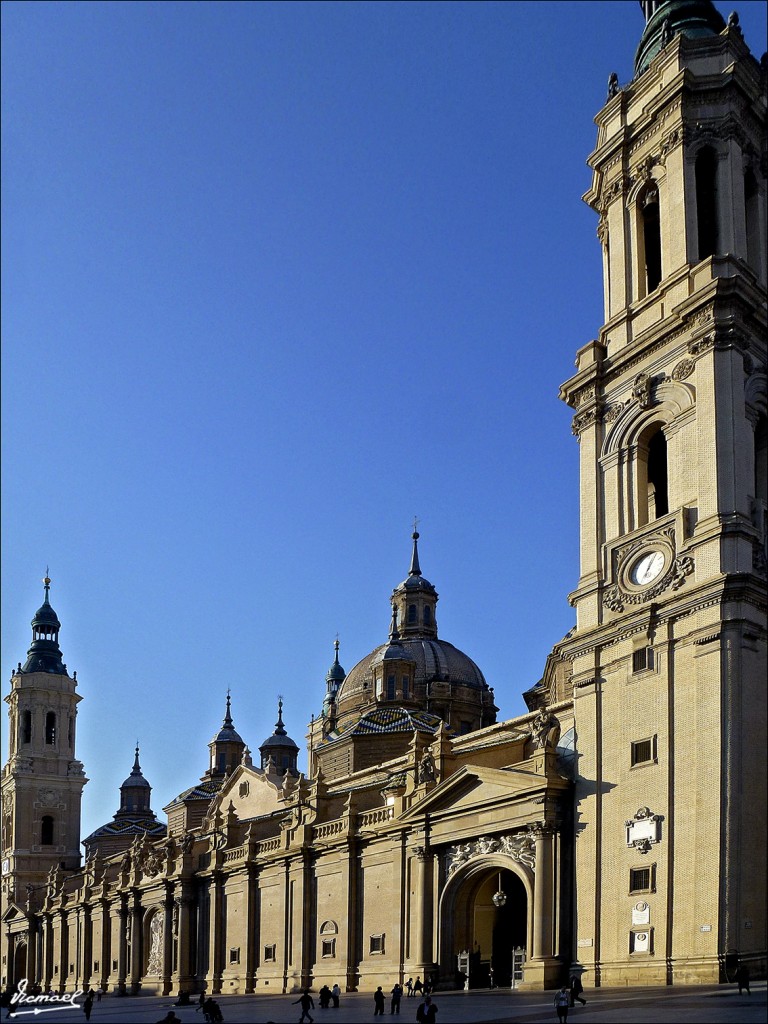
{"type": "Point", "coordinates": [568, 996]}
{"type": "Point", "coordinates": [329, 996]}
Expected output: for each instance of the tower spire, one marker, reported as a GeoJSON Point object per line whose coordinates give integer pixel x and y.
{"type": "Point", "coordinates": [415, 569]}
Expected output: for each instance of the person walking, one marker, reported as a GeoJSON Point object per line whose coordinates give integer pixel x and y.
{"type": "Point", "coordinates": [418, 988]}
{"type": "Point", "coordinates": [427, 1012]}
{"type": "Point", "coordinates": [742, 979]}
{"type": "Point", "coordinates": [397, 993]}
{"type": "Point", "coordinates": [307, 1003]}
{"type": "Point", "coordinates": [88, 1004]}
{"type": "Point", "coordinates": [576, 989]}
{"type": "Point", "coordinates": [409, 988]}
{"type": "Point", "coordinates": [378, 1002]}
{"type": "Point", "coordinates": [562, 1003]}
{"type": "Point", "coordinates": [335, 994]}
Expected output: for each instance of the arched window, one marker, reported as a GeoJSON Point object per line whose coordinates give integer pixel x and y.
{"type": "Point", "coordinates": [658, 495]}
{"type": "Point", "coordinates": [652, 493]}
{"type": "Point", "coordinates": [46, 831]}
{"type": "Point", "coordinates": [406, 688]}
{"type": "Point", "coordinates": [706, 201]}
{"type": "Point", "coordinates": [650, 231]}
{"type": "Point", "coordinates": [50, 728]}
{"type": "Point", "coordinates": [222, 762]}
{"type": "Point", "coordinates": [412, 613]}
{"type": "Point", "coordinates": [391, 679]}
{"type": "Point", "coordinates": [26, 727]}
{"type": "Point", "coordinates": [427, 615]}
{"type": "Point", "coordinates": [752, 217]}
{"type": "Point", "coordinates": [761, 460]}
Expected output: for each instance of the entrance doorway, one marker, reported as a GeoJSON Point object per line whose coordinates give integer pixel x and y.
{"type": "Point", "coordinates": [487, 930]}
{"type": "Point", "coordinates": [20, 963]}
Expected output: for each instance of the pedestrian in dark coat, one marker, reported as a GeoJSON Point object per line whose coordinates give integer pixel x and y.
{"type": "Point", "coordinates": [576, 989]}
{"type": "Point", "coordinates": [378, 1002]}
{"type": "Point", "coordinates": [427, 1012]}
{"type": "Point", "coordinates": [742, 979]}
{"type": "Point", "coordinates": [397, 994]}
{"type": "Point", "coordinates": [88, 1005]}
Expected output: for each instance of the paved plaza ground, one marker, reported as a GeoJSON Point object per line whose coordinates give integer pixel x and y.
{"type": "Point", "coordinates": [654, 1006]}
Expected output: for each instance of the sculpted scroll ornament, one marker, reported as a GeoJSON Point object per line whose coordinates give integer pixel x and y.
{"type": "Point", "coordinates": [519, 847]}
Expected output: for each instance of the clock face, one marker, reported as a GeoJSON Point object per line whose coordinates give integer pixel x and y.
{"type": "Point", "coordinates": [647, 568]}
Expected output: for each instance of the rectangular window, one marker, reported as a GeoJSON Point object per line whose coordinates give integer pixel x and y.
{"type": "Point", "coordinates": [642, 659]}
{"type": "Point", "coordinates": [391, 687]}
{"type": "Point", "coordinates": [641, 941]}
{"type": "Point", "coordinates": [464, 728]}
{"type": "Point", "coordinates": [329, 947]}
{"type": "Point", "coordinates": [377, 945]}
{"type": "Point", "coordinates": [642, 879]}
{"type": "Point", "coordinates": [643, 751]}
{"type": "Point", "coordinates": [405, 687]}
{"type": "Point", "coordinates": [234, 955]}
{"type": "Point", "coordinates": [270, 954]}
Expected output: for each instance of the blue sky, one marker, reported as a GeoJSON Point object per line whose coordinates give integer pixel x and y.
{"type": "Point", "coordinates": [277, 278]}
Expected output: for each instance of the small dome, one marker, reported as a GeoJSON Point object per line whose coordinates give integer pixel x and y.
{"type": "Point", "coordinates": [278, 751]}
{"type": "Point", "coordinates": [335, 673]}
{"type": "Point", "coordinates": [227, 733]}
{"type": "Point", "coordinates": [696, 19]}
{"type": "Point", "coordinates": [46, 616]}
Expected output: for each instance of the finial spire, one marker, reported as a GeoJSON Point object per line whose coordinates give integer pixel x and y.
{"type": "Point", "coordinates": [336, 649]}
{"type": "Point", "coordinates": [415, 569]}
{"type": "Point", "coordinates": [136, 766]}
{"type": "Point", "coordinates": [279, 726]}
{"type": "Point", "coordinates": [228, 716]}
{"type": "Point", "coordinates": [46, 584]}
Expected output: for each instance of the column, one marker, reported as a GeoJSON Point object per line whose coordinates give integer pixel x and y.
{"type": "Point", "coordinates": [47, 953]}
{"type": "Point", "coordinates": [87, 948]}
{"type": "Point", "coordinates": [214, 934]}
{"type": "Point", "coordinates": [168, 908]}
{"type": "Point", "coordinates": [421, 909]}
{"type": "Point", "coordinates": [122, 953]}
{"type": "Point", "coordinates": [543, 894]}
{"type": "Point", "coordinates": [31, 967]}
{"type": "Point", "coordinates": [105, 956]}
{"type": "Point", "coordinates": [137, 919]}
{"type": "Point", "coordinates": [186, 937]}
{"type": "Point", "coordinates": [252, 928]}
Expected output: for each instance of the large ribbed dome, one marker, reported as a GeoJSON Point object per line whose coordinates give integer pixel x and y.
{"type": "Point", "coordinates": [414, 669]}
{"type": "Point", "coordinates": [436, 660]}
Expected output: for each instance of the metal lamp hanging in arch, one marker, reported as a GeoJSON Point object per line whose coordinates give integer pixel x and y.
{"type": "Point", "coordinates": [499, 898]}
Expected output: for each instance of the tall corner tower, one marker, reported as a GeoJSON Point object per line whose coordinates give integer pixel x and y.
{"type": "Point", "coordinates": [42, 782]}
{"type": "Point", "coordinates": [669, 653]}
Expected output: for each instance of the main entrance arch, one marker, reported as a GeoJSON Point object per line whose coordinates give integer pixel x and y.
{"type": "Point", "coordinates": [471, 922]}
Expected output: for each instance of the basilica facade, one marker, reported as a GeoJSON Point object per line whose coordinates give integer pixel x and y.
{"type": "Point", "coordinates": [611, 830]}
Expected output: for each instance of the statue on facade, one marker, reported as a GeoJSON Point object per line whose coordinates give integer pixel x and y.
{"type": "Point", "coordinates": [545, 730]}
{"type": "Point", "coordinates": [427, 769]}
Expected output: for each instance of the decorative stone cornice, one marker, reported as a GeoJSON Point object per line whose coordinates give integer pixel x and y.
{"type": "Point", "coordinates": [518, 846]}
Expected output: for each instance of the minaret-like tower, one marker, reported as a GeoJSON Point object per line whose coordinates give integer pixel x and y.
{"type": "Point", "coordinates": [135, 817]}
{"type": "Point", "coordinates": [226, 748]}
{"type": "Point", "coordinates": [42, 781]}
{"type": "Point", "coordinates": [669, 652]}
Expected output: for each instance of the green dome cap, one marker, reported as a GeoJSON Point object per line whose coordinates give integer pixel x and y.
{"type": "Point", "coordinates": [693, 18]}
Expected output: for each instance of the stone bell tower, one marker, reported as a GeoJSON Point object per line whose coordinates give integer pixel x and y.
{"type": "Point", "coordinates": [42, 782]}
{"type": "Point", "coordinates": [669, 653]}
